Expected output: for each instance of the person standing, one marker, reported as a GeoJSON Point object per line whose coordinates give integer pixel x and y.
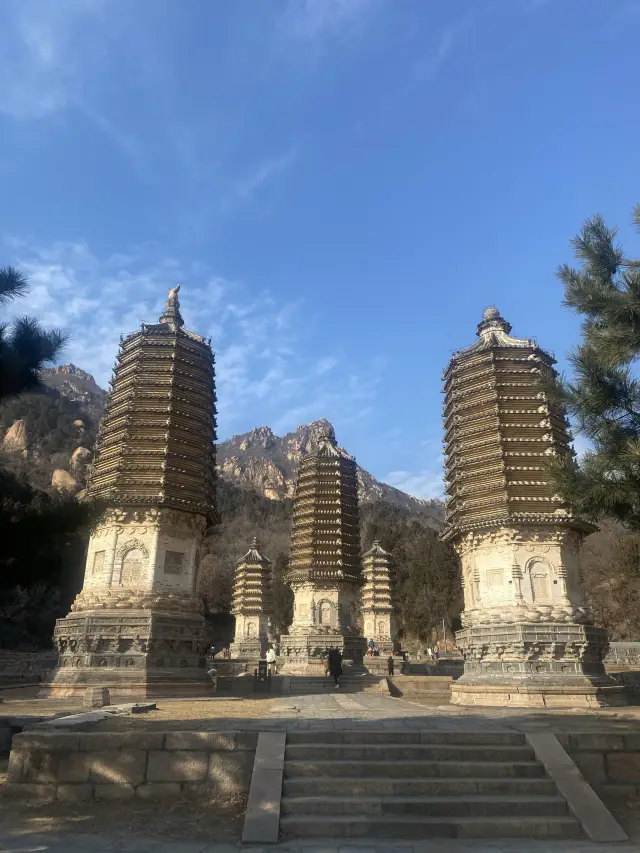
{"type": "Point", "coordinates": [272, 660]}
{"type": "Point", "coordinates": [390, 665]}
{"type": "Point", "coordinates": [335, 665]}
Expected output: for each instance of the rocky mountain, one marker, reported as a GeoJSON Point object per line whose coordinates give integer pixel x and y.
{"type": "Point", "coordinates": [54, 430]}
{"type": "Point", "coordinates": [75, 384]}
{"type": "Point", "coordinates": [267, 463]}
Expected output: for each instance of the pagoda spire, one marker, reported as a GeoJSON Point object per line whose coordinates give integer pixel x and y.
{"type": "Point", "coordinates": [172, 315]}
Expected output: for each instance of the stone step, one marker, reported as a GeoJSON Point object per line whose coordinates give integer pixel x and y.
{"type": "Point", "coordinates": [409, 769]}
{"type": "Point", "coordinates": [389, 752]}
{"type": "Point", "coordinates": [304, 786]}
{"type": "Point", "coordinates": [402, 826]}
{"type": "Point", "coordinates": [435, 806]}
{"type": "Point", "coordinates": [353, 736]}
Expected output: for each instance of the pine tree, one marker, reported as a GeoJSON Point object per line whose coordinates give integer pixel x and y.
{"type": "Point", "coordinates": [25, 347]}
{"type": "Point", "coordinates": [604, 395]}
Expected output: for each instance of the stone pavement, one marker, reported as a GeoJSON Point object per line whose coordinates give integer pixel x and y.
{"type": "Point", "coordinates": [60, 843]}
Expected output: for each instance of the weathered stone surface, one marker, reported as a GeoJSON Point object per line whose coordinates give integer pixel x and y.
{"type": "Point", "coordinates": [142, 740]}
{"type": "Point", "coordinates": [591, 765]}
{"type": "Point", "coordinates": [80, 458]}
{"type": "Point", "coordinates": [46, 740]}
{"type": "Point", "coordinates": [63, 481]}
{"type": "Point", "coordinates": [114, 792]}
{"type": "Point", "coordinates": [159, 791]}
{"type": "Point", "coordinates": [40, 766]}
{"type": "Point", "coordinates": [14, 770]}
{"type": "Point", "coordinates": [126, 767]}
{"type": "Point", "coordinates": [74, 767]}
{"type": "Point", "coordinates": [177, 766]}
{"type": "Point", "coordinates": [100, 741]}
{"type": "Point", "coordinates": [74, 793]}
{"type": "Point", "coordinates": [15, 438]}
{"type": "Point", "coordinates": [96, 697]}
{"type": "Point", "coordinates": [595, 741]}
{"type": "Point", "coordinates": [624, 767]}
{"type": "Point", "coordinates": [30, 791]}
{"type": "Point", "coordinates": [230, 771]}
{"type": "Point", "coordinates": [199, 740]}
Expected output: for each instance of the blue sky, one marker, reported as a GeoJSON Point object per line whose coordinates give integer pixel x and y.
{"type": "Point", "coordinates": [340, 186]}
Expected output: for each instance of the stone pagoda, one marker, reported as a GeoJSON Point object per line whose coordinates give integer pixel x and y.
{"type": "Point", "coordinates": [377, 613]}
{"type": "Point", "coordinates": [324, 567]}
{"type": "Point", "coordinates": [252, 604]}
{"type": "Point", "coordinates": [527, 636]}
{"type": "Point", "coordinates": [136, 626]}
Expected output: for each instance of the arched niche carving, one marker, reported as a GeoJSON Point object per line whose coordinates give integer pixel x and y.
{"type": "Point", "coordinates": [325, 613]}
{"type": "Point", "coordinates": [538, 573]}
{"type": "Point", "coordinates": [131, 561]}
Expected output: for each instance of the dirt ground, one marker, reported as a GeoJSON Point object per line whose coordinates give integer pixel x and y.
{"type": "Point", "coordinates": [186, 714]}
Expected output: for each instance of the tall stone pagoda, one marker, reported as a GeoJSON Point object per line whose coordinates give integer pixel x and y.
{"type": "Point", "coordinates": [252, 604]}
{"type": "Point", "coordinates": [324, 567]}
{"type": "Point", "coordinates": [136, 626]}
{"type": "Point", "coordinates": [377, 613]}
{"type": "Point", "coordinates": [527, 635]}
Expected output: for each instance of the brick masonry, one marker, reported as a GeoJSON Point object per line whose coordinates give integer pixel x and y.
{"type": "Point", "coordinates": [114, 766]}
{"type": "Point", "coordinates": [609, 762]}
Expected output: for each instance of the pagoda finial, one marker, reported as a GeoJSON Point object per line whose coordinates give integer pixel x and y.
{"type": "Point", "coordinates": [172, 315]}
{"type": "Point", "coordinates": [492, 321]}
{"type": "Point", "coordinates": [254, 543]}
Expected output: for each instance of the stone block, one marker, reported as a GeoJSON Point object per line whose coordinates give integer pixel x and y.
{"type": "Point", "coordinates": [246, 740]}
{"type": "Point", "coordinates": [14, 770]}
{"type": "Point", "coordinates": [231, 772]}
{"type": "Point", "coordinates": [96, 697]}
{"type": "Point", "coordinates": [631, 742]}
{"type": "Point", "coordinates": [74, 793]}
{"type": "Point", "coordinates": [142, 740]}
{"type": "Point", "coordinates": [114, 792]}
{"type": "Point", "coordinates": [40, 766]}
{"type": "Point", "coordinates": [74, 767]}
{"type": "Point", "coordinates": [591, 765]}
{"type": "Point", "coordinates": [46, 740]}
{"type": "Point", "coordinates": [177, 766]}
{"type": "Point", "coordinates": [99, 741]}
{"type": "Point", "coordinates": [624, 767]}
{"type": "Point", "coordinates": [30, 791]}
{"type": "Point", "coordinates": [200, 740]}
{"type": "Point", "coordinates": [158, 790]}
{"type": "Point", "coordinates": [595, 742]}
{"type": "Point", "coordinates": [126, 767]}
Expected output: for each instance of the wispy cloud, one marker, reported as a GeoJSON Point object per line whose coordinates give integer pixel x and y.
{"type": "Point", "coordinates": [248, 186]}
{"type": "Point", "coordinates": [43, 45]}
{"type": "Point", "coordinates": [315, 20]}
{"type": "Point", "coordinates": [266, 369]}
{"type": "Point", "coordinates": [420, 484]}
{"type": "Point", "coordinates": [428, 66]}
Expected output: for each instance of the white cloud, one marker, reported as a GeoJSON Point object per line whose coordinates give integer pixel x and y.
{"type": "Point", "coordinates": [43, 45]}
{"type": "Point", "coordinates": [420, 484]}
{"type": "Point", "coordinates": [265, 367]}
{"type": "Point", "coordinates": [429, 65]}
{"type": "Point", "coordinates": [314, 20]}
{"type": "Point", "coordinates": [250, 184]}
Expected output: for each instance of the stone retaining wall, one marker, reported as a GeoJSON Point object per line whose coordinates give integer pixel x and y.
{"type": "Point", "coordinates": [623, 654]}
{"type": "Point", "coordinates": [114, 766]}
{"type": "Point", "coordinates": [27, 667]}
{"type": "Point", "coordinates": [609, 762]}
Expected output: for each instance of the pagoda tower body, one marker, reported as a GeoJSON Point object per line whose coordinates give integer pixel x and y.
{"type": "Point", "coordinates": [527, 635]}
{"type": "Point", "coordinates": [377, 613]}
{"type": "Point", "coordinates": [136, 626]}
{"type": "Point", "coordinates": [324, 567]}
{"type": "Point", "coordinates": [252, 604]}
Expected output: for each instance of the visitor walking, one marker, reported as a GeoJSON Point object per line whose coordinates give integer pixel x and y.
{"type": "Point", "coordinates": [272, 660]}
{"type": "Point", "coordinates": [335, 665]}
{"type": "Point", "coordinates": [390, 664]}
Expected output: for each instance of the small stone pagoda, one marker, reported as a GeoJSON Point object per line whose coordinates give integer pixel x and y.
{"type": "Point", "coordinates": [527, 635]}
{"type": "Point", "coordinates": [324, 568]}
{"type": "Point", "coordinates": [252, 604]}
{"type": "Point", "coordinates": [136, 627]}
{"type": "Point", "coordinates": [377, 613]}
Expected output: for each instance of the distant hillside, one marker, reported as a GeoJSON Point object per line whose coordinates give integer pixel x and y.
{"type": "Point", "coordinates": [41, 431]}
{"type": "Point", "coordinates": [268, 464]}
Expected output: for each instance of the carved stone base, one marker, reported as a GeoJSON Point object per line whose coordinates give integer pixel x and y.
{"type": "Point", "coordinates": [555, 664]}
{"type": "Point", "coordinates": [249, 647]}
{"type": "Point", "coordinates": [135, 653]}
{"type": "Point", "coordinates": [304, 653]}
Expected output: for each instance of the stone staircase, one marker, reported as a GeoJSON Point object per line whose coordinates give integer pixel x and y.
{"type": "Point", "coordinates": [301, 685]}
{"type": "Point", "coordinates": [419, 785]}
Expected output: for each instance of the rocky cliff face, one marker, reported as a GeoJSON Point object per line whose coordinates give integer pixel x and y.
{"type": "Point", "coordinates": [77, 385]}
{"type": "Point", "coordinates": [268, 463]}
